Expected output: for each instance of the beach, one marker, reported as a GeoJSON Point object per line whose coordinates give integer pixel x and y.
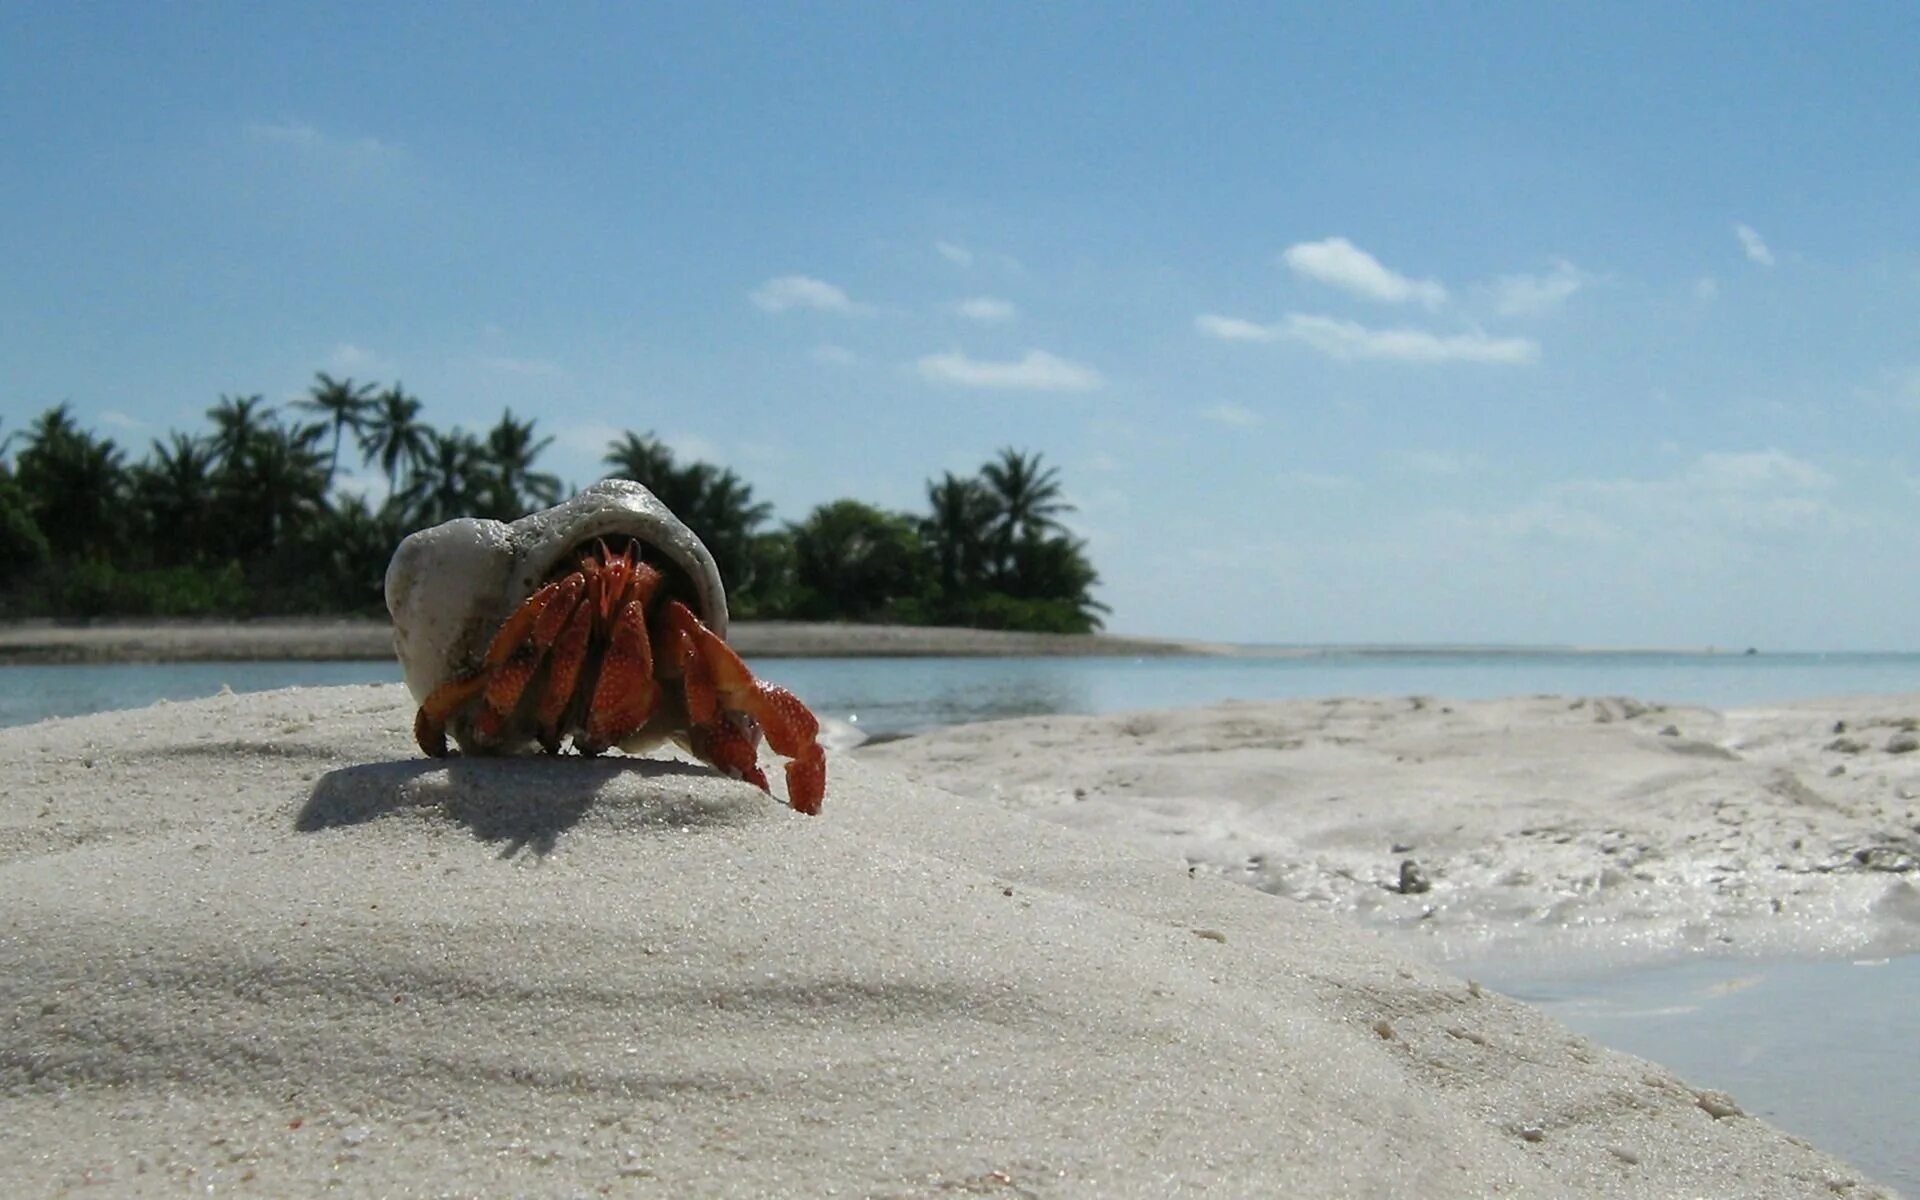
{"type": "Point", "coordinates": [1597, 830]}
{"type": "Point", "coordinates": [257, 944]}
{"type": "Point", "coordinates": [325, 639]}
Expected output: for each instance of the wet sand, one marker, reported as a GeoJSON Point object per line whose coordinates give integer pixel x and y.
{"type": "Point", "coordinates": [328, 640]}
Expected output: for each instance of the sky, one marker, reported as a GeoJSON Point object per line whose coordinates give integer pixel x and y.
{"type": "Point", "coordinates": [1382, 323]}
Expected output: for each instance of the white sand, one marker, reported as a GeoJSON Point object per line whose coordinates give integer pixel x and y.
{"type": "Point", "coordinates": [256, 945]}
{"type": "Point", "coordinates": [1546, 827]}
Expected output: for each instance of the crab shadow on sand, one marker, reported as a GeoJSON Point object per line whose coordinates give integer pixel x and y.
{"type": "Point", "coordinates": [525, 803]}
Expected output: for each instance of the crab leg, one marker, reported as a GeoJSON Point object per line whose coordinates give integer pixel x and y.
{"type": "Point", "coordinates": [512, 658]}
{"type": "Point", "coordinates": [718, 685]}
{"type": "Point", "coordinates": [733, 746]}
{"type": "Point", "coordinates": [625, 694]}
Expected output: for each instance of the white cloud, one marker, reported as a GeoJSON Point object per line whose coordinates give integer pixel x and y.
{"type": "Point", "coordinates": [1234, 329]}
{"type": "Point", "coordinates": [371, 488]}
{"type": "Point", "coordinates": [1753, 244]}
{"type": "Point", "coordinates": [1037, 371]}
{"type": "Point", "coordinates": [691, 447]}
{"type": "Point", "coordinates": [1715, 501]}
{"type": "Point", "coordinates": [1706, 289]}
{"type": "Point", "coordinates": [1758, 470]}
{"type": "Point", "coordinates": [589, 438]}
{"type": "Point", "coordinates": [1535, 295]}
{"type": "Point", "coordinates": [347, 358]}
{"type": "Point", "coordinates": [954, 253]}
{"type": "Point", "coordinates": [1231, 414]}
{"type": "Point", "coordinates": [800, 291]}
{"type": "Point", "coordinates": [831, 355]}
{"type": "Point", "coordinates": [986, 309]}
{"type": "Point", "coordinates": [1339, 263]}
{"type": "Point", "coordinates": [304, 137]}
{"type": "Point", "coordinates": [1350, 340]}
{"type": "Point", "coordinates": [120, 420]}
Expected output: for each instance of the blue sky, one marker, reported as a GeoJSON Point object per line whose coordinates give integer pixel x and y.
{"type": "Point", "coordinates": [1516, 323]}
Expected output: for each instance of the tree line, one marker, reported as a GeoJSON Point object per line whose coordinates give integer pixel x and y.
{"type": "Point", "coordinates": [247, 519]}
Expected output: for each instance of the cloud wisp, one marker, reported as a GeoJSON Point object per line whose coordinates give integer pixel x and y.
{"type": "Point", "coordinates": [987, 310]}
{"type": "Point", "coordinates": [1232, 414]}
{"type": "Point", "coordinates": [1538, 295]}
{"type": "Point", "coordinates": [1339, 263]}
{"type": "Point", "coordinates": [1349, 340]}
{"type": "Point", "coordinates": [1755, 246]}
{"type": "Point", "coordinates": [1235, 329]}
{"type": "Point", "coordinates": [1036, 371]}
{"type": "Point", "coordinates": [784, 293]}
{"type": "Point", "coordinates": [300, 137]}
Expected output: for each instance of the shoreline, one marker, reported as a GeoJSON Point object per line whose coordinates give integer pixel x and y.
{"type": "Point", "coordinates": [47, 642]}
{"type": "Point", "coordinates": [1544, 834]}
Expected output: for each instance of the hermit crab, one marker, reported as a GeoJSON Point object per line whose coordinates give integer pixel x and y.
{"type": "Point", "coordinates": [601, 621]}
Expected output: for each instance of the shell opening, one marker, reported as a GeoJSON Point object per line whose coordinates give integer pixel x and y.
{"type": "Point", "coordinates": [675, 582]}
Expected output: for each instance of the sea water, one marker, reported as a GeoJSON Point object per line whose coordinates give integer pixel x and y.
{"type": "Point", "coordinates": [1827, 1050]}
{"type": "Point", "coordinates": [892, 696]}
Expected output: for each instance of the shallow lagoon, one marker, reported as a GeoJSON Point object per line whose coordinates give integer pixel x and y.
{"type": "Point", "coordinates": [890, 696]}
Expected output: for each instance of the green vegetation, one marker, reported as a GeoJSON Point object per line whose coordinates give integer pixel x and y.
{"type": "Point", "coordinates": [250, 519]}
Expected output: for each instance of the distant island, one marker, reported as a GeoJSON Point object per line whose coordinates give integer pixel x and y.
{"type": "Point", "coordinates": [257, 518]}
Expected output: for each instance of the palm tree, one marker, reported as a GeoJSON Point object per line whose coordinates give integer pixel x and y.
{"type": "Point", "coordinates": [855, 562]}
{"type": "Point", "coordinates": [647, 461]}
{"type": "Point", "coordinates": [23, 547]}
{"type": "Point", "coordinates": [714, 502]}
{"type": "Point", "coordinates": [451, 481]}
{"type": "Point", "coordinates": [394, 435]}
{"type": "Point", "coordinates": [348, 548]}
{"type": "Point", "coordinates": [72, 483]}
{"type": "Point", "coordinates": [237, 421]}
{"type": "Point", "coordinates": [173, 490]}
{"type": "Point", "coordinates": [1056, 571]}
{"type": "Point", "coordinates": [959, 530]}
{"type": "Point", "coordinates": [276, 486]}
{"type": "Point", "coordinates": [1028, 496]}
{"type": "Point", "coordinates": [510, 453]}
{"type": "Point", "coordinates": [342, 406]}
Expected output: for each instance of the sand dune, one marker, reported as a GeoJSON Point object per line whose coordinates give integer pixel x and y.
{"type": "Point", "coordinates": [256, 945]}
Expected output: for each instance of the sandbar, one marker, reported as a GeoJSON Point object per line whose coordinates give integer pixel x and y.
{"type": "Point", "coordinates": [258, 945]}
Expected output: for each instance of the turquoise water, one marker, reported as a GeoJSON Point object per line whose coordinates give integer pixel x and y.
{"type": "Point", "coordinates": [902, 695]}
{"type": "Point", "coordinates": [905, 695]}
{"type": "Point", "coordinates": [35, 693]}
{"type": "Point", "coordinates": [1827, 1050]}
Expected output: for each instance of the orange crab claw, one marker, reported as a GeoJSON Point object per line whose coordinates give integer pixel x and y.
{"type": "Point", "coordinates": [718, 685]}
